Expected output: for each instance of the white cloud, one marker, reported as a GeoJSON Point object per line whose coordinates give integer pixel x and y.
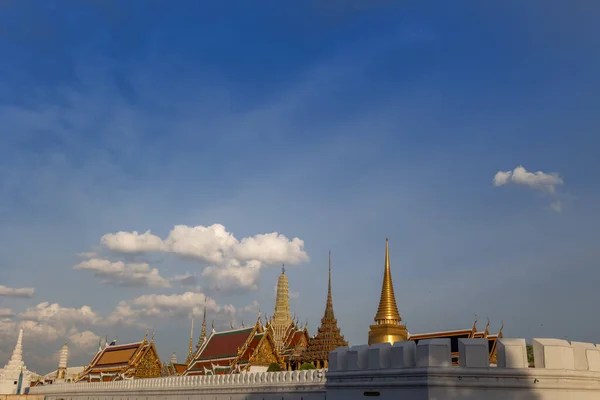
{"type": "Point", "coordinates": [212, 244]}
{"type": "Point", "coordinates": [178, 304]}
{"type": "Point", "coordinates": [56, 314]}
{"type": "Point", "coordinates": [536, 180]}
{"type": "Point", "coordinates": [84, 340]}
{"type": "Point", "coordinates": [132, 242]}
{"type": "Point", "coordinates": [6, 312]}
{"type": "Point", "coordinates": [233, 263]}
{"type": "Point", "coordinates": [234, 275]}
{"type": "Point", "coordinates": [271, 248]}
{"type": "Point", "coordinates": [209, 244]}
{"type": "Point", "coordinates": [45, 332]}
{"type": "Point", "coordinates": [252, 307]}
{"type": "Point", "coordinates": [122, 274]}
{"type": "Point", "coordinates": [14, 292]}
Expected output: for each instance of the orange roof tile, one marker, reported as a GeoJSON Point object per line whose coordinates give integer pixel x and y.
{"type": "Point", "coordinates": [225, 344]}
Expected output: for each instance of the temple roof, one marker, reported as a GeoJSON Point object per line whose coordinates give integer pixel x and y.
{"type": "Point", "coordinates": [224, 344]}
{"type": "Point", "coordinates": [118, 357]}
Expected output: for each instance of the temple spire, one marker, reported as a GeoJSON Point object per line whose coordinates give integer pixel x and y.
{"type": "Point", "coordinates": [203, 332]}
{"type": "Point", "coordinates": [282, 317]}
{"type": "Point", "coordinates": [191, 349]}
{"type": "Point", "coordinates": [388, 327]}
{"type": "Point", "coordinates": [329, 305]}
{"type": "Point", "coordinates": [387, 313]}
{"type": "Point", "coordinates": [328, 336]}
{"type": "Point", "coordinates": [17, 355]}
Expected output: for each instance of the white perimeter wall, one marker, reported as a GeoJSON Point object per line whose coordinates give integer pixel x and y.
{"type": "Point", "coordinates": [563, 371]}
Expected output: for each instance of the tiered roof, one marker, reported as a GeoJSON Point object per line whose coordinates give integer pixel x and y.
{"type": "Point", "coordinates": [328, 336]}
{"type": "Point", "coordinates": [234, 350]}
{"type": "Point", "coordinates": [130, 360]}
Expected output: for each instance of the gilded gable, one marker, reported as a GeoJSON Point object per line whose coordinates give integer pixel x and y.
{"type": "Point", "coordinates": [148, 365]}
{"type": "Point", "coordinates": [265, 353]}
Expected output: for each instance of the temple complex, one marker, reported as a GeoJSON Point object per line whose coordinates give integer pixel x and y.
{"type": "Point", "coordinates": [126, 361]}
{"type": "Point", "coordinates": [328, 336]}
{"type": "Point", "coordinates": [388, 323]}
{"type": "Point", "coordinates": [389, 327]}
{"type": "Point", "coordinates": [15, 377]}
{"type": "Point", "coordinates": [245, 349]}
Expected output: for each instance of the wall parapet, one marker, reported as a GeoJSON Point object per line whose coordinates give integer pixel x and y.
{"type": "Point", "coordinates": [550, 354]}
{"type": "Point", "coordinates": [296, 380]}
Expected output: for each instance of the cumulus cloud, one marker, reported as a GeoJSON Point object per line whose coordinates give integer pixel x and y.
{"type": "Point", "coordinates": [542, 181]}
{"type": "Point", "coordinates": [132, 242]}
{"type": "Point", "coordinates": [212, 244]}
{"type": "Point", "coordinates": [178, 304]}
{"type": "Point", "coordinates": [84, 340]}
{"type": "Point", "coordinates": [6, 312]}
{"type": "Point", "coordinates": [271, 248]}
{"type": "Point", "coordinates": [14, 292]}
{"type": "Point", "coordinates": [122, 274]}
{"type": "Point", "coordinates": [536, 180]}
{"type": "Point", "coordinates": [55, 313]}
{"type": "Point", "coordinates": [234, 275]}
{"type": "Point", "coordinates": [232, 263]}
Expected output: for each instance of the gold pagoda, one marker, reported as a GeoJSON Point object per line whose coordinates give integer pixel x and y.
{"type": "Point", "coordinates": [388, 323]}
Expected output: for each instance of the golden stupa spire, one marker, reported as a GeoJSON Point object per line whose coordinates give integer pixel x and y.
{"type": "Point", "coordinates": [387, 313]}
{"type": "Point", "coordinates": [388, 327]}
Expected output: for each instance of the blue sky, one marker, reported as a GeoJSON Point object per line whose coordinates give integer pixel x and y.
{"type": "Point", "coordinates": [339, 124]}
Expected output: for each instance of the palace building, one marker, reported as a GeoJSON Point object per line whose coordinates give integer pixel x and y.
{"type": "Point", "coordinates": [389, 328]}
{"type": "Point", "coordinates": [126, 361]}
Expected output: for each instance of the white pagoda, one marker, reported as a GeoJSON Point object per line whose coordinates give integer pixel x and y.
{"type": "Point", "coordinates": [15, 377]}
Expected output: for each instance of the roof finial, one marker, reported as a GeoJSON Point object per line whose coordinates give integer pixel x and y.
{"type": "Point", "coordinates": [329, 304]}
{"type": "Point", "coordinates": [387, 313]}
{"type": "Point", "coordinates": [152, 338]}
{"type": "Point", "coordinates": [191, 349]}
{"type": "Point", "coordinates": [203, 331]}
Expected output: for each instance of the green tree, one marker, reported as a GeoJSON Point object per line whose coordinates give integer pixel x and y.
{"type": "Point", "coordinates": [530, 355]}
{"type": "Point", "coordinates": [307, 365]}
{"type": "Point", "coordinates": [274, 367]}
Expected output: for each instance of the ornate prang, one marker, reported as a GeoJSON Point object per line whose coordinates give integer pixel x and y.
{"type": "Point", "coordinates": [282, 319]}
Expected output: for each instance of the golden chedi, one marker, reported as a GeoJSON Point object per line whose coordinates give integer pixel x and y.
{"type": "Point", "coordinates": [388, 323]}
